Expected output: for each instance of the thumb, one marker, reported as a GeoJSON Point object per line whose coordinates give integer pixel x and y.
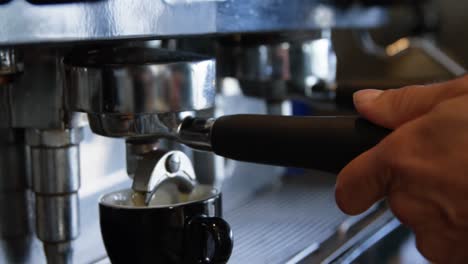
{"type": "Point", "coordinates": [392, 108]}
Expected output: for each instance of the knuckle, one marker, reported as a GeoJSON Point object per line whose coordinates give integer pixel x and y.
{"type": "Point", "coordinates": [453, 217]}
{"type": "Point", "coordinates": [409, 209]}
{"type": "Point", "coordinates": [459, 217]}
{"type": "Point", "coordinates": [398, 210]}
{"type": "Point", "coordinates": [401, 99]}
{"type": "Point", "coordinates": [397, 154]}
{"type": "Point", "coordinates": [391, 155]}
{"type": "Point", "coordinates": [442, 107]}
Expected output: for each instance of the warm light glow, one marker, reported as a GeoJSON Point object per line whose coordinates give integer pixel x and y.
{"type": "Point", "coordinates": [397, 47]}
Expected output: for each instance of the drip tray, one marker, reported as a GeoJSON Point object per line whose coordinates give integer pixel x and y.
{"type": "Point", "coordinates": [274, 225]}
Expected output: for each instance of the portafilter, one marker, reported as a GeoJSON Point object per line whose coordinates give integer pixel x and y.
{"type": "Point", "coordinates": [136, 92]}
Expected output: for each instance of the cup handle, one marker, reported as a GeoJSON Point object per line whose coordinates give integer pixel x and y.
{"type": "Point", "coordinates": [216, 237]}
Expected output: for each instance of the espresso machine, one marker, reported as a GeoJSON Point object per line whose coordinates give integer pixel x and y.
{"type": "Point", "coordinates": [89, 88]}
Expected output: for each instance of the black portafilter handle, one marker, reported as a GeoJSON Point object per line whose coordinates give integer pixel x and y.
{"type": "Point", "coordinates": [320, 142]}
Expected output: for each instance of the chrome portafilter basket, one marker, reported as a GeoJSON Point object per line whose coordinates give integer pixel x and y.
{"type": "Point", "coordinates": [133, 92]}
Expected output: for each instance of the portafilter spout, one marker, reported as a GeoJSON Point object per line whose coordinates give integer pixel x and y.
{"type": "Point", "coordinates": [160, 166]}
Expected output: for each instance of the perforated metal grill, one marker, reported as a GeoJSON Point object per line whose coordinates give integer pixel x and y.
{"type": "Point", "coordinates": [275, 225]}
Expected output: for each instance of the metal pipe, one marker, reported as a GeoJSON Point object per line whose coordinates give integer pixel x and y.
{"type": "Point", "coordinates": [55, 169]}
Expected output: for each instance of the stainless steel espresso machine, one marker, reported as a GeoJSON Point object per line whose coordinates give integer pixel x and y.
{"type": "Point", "coordinates": [89, 88]}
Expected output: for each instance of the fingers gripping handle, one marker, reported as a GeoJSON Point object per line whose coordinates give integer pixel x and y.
{"type": "Point", "coordinates": [324, 143]}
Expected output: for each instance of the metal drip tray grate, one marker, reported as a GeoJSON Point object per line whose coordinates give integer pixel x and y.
{"type": "Point", "coordinates": [275, 225]}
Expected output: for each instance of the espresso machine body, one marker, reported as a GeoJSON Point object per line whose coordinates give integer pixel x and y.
{"type": "Point", "coordinates": [67, 138]}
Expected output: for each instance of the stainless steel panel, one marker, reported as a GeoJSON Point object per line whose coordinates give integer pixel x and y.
{"type": "Point", "coordinates": [23, 22]}
{"type": "Point", "coordinates": [36, 97]}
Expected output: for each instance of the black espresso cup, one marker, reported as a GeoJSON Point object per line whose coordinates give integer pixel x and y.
{"type": "Point", "coordinates": [174, 228]}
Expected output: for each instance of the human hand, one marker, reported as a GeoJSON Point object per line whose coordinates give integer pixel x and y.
{"type": "Point", "coordinates": [421, 167]}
